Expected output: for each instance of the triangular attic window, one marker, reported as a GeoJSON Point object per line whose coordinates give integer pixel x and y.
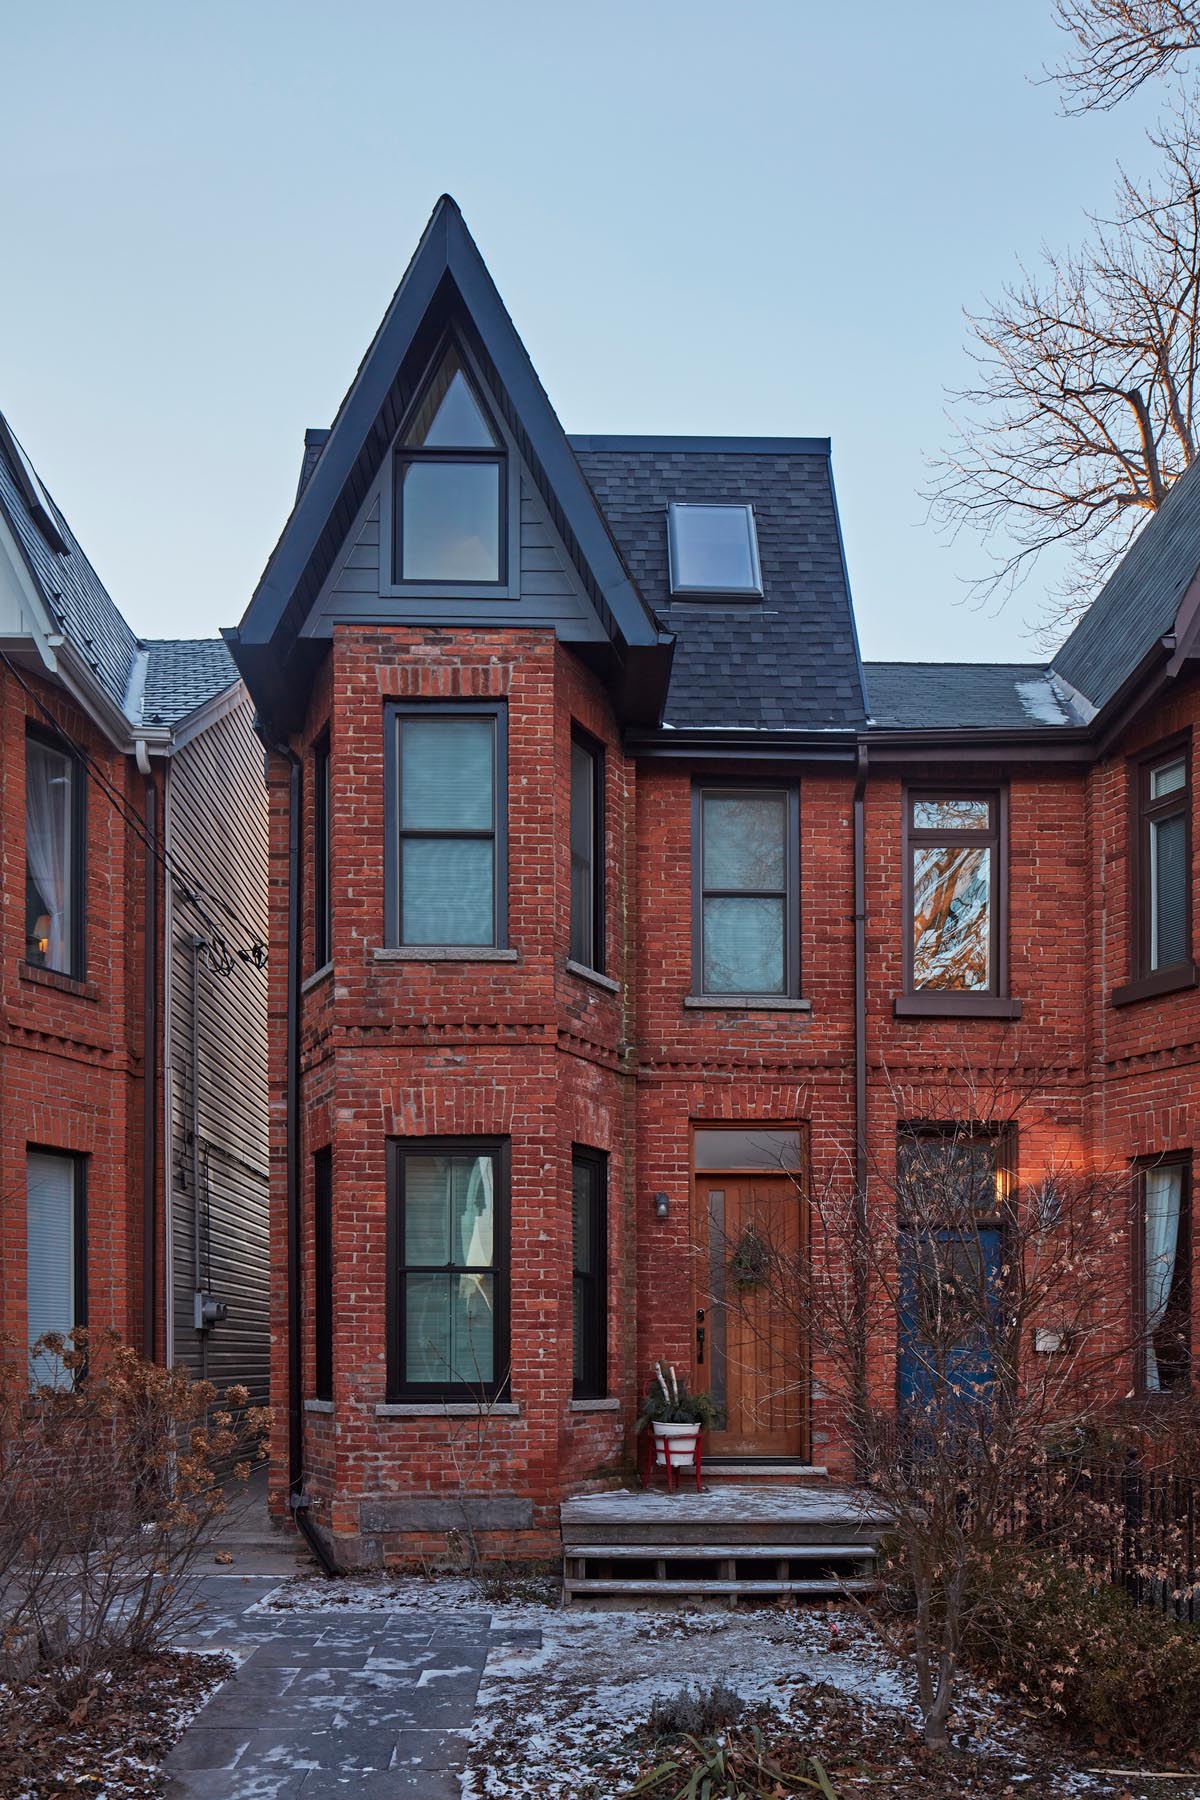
{"type": "Point", "coordinates": [450, 417]}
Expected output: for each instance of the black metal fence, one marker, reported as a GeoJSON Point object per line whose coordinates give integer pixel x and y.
{"type": "Point", "coordinates": [1134, 1527]}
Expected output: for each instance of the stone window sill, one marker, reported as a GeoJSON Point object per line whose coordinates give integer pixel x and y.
{"type": "Point", "coordinates": [594, 976]}
{"type": "Point", "coordinates": [447, 1409]}
{"type": "Point", "coordinates": [450, 953]}
{"type": "Point", "coordinates": [594, 1406]}
{"type": "Point", "coordinates": [1150, 987]}
{"type": "Point", "coordinates": [316, 978]}
{"type": "Point", "coordinates": [746, 1003]}
{"type": "Point", "coordinates": [36, 976]}
{"type": "Point", "coordinates": [319, 1406]}
{"type": "Point", "coordinates": [955, 1006]}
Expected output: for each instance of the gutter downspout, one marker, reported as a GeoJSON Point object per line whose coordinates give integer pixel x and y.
{"type": "Point", "coordinates": [150, 1066]}
{"type": "Point", "coordinates": [860, 1085]}
{"type": "Point", "coordinates": [297, 1500]}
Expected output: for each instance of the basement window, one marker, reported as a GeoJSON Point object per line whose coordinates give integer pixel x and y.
{"type": "Point", "coordinates": [713, 550]}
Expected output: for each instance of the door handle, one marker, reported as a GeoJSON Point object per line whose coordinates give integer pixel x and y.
{"type": "Point", "coordinates": [700, 1334]}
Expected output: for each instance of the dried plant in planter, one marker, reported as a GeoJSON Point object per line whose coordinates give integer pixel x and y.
{"type": "Point", "coordinates": [110, 1488]}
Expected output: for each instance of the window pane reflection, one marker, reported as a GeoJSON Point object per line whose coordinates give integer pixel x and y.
{"type": "Point", "coordinates": [952, 918]}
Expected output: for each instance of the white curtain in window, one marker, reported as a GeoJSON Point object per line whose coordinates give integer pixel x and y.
{"type": "Point", "coordinates": [1164, 1191]}
{"type": "Point", "coordinates": [50, 1252]}
{"type": "Point", "coordinates": [48, 843]}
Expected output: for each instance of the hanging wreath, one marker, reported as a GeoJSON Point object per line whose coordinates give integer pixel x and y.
{"type": "Point", "coordinates": [750, 1261]}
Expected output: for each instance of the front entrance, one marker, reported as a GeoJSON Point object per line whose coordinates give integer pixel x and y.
{"type": "Point", "coordinates": [747, 1221]}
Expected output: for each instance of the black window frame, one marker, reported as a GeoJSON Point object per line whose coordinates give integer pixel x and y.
{"type": "Point", "coordinates": [592, 1384]}
{"type": "Point", "coordinates": [322, 882]}
{"type": "Point", "coordinates": [404, 455]}
{"type": "Point", "coordinates": [395, 712]}
{"type": "Point", "coordinates": [399, 1389]}
{"type": "Point", "coordinates": [790, 893]}
{"type": "Point", "coordinates": [1183, 1160]}
{"type": "Point", "coordinates": [595, 959]}
{"type": "Point", "coordinates": [78, 944]}
{"type": "Point", "coordinates": [322, 1265]}
{"type": "Point", "coordinates": [1145, 982]}
{"type": "Point", "coordinates": [79, 1196]}
{"type": "Point", "coordinates": [995, 1000]}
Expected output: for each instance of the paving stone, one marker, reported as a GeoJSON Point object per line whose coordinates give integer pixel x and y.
{"type": "Point", "coordinates": [209, 1747]}
{"type": "Point", "coordinates": [232, 1784]}
{"type": "Point", "coordinates": [432, 1749]}
{"type": "Point", "coordinates": [394, 1784]}
{"type": "Point", "coordinates": [362, 1747]}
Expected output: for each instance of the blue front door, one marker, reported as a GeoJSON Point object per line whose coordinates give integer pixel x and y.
{"type": "Point", "coordinates": [948, 1280]}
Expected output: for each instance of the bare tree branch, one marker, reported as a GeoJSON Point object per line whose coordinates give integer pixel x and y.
{"type": "Point", "coordinates": [1083, 411]}
{"type": "Point", "coordinates": [1119, 44]}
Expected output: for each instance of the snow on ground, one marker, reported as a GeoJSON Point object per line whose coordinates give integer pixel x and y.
{"type": "Point", "coordinates": [548, 1718]}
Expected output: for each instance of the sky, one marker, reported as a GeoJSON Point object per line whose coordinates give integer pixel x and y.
{"type": "Point", "coordinates": [764, 219]}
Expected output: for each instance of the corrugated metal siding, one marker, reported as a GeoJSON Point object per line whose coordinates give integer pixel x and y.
{"type": "Point", "coordinates": [217, 817]}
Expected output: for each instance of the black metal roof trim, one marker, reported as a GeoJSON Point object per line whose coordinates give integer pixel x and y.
{"type": "Point", "coordinates": [724, 446]}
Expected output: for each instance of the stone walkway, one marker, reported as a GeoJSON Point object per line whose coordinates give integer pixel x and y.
{"type": "Point", "coordinates": [372, 1703]}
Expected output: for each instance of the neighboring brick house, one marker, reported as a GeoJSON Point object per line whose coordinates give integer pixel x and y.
{"type": "Point", "coordinates": [133, 859]}
{"type": "Point", "coordinates": [611, 879]}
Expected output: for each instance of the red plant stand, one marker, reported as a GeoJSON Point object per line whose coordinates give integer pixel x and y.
{"type": "Point", "coordinates": [650, 1461]}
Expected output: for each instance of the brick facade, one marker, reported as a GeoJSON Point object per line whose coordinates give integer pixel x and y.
{"type": "Point", "coordinates": [72, 1053]}
{"type": "Point", "coordinates": [527, 1050]}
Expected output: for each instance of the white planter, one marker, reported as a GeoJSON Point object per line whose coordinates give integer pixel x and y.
{"type": "Point", "coordinates": [683, 1440]}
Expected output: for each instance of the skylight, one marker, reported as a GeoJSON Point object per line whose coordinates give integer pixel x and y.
{"type": "Point", "coordinates": [35, 495]}
{"type": "Point", "coordinates": [713, 550]}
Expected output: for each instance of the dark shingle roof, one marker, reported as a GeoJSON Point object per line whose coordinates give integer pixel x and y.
{"type": "Point", "coordinates": [156, 683]}
{"type": "Point", "coordinates": [182, 674]}
{"type": "Point", "coordinates": [980, 696]}
{"type": "Point", "coordinates": [1137, 604]}
{"type": "Point", "coordinates": [73, 591]}
{"type": "Point", "coordinates": [787, 661]}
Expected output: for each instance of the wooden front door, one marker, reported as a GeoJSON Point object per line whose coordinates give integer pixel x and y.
{"type": "Point", "coordinates": [748, 1344]}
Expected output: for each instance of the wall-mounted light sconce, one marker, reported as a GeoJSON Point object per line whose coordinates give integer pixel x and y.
{"type": "Point", "coordinates": [662, 1206]}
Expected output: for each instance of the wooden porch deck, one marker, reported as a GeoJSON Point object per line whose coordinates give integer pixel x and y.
{"type": "Point", "coordinates": [724, 1543]}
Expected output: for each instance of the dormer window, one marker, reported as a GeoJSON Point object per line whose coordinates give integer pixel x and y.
{"type": "Point", "coordinates": [450, 480]}
{"type": "Point", "coordinates": [713, 551]}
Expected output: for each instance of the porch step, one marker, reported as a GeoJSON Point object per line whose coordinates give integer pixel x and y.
{"type": "Point", "coordinates": [730, 1591]}
{"type": "Point", "coordinates": [723, 1543]}
{"type": "Point", "coordinates": [807, 1473]}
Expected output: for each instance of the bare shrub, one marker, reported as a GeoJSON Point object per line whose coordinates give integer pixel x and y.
{"type": "Point", "coordinates": [110, 1490]}
{"type": "Point", "coordinates": [695, 1711]}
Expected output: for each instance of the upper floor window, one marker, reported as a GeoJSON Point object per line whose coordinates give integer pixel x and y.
{"type": "Point", "coordinates": [1164, 1191]}
{"type": "Point", "coordinates": [446, 785]}
{"type": "Point", "coordinates": [53, 857]}
{"type": "Point", "coordinates": [713, 550]}
{"type": "Point", "coordinates": [449, 507]}
{"type": "Point", "coordinates": [1163, 900]}
{"type": "Point", "coordinates": [955, 892]}
{"type": "Point", "coordinates": [745, 891]}
{"type": "Point", "coordinates": [448, 1251]}
{"type": "Point", "coordinates": [587, 852]}
{"type": "Point", "coordinates": [322, 891]}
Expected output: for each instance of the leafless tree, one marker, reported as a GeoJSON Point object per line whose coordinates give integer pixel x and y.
{"type": "Point", "coordinates": [1083, 409]}
{"type": "Point", "coordinates": [1119, 44]}
{"type": "Point", "coordinates": [994, 1309]}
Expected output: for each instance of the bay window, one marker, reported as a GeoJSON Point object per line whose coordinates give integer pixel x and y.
{"type": "Point", "coordinates": [1163, 1301]}
{"type": "Point", "coordinates": [448, 1262]}
{"type": "Point", "coordinates": [445, 786]}
{"type": "Point", "coordinates": [55, 1253]}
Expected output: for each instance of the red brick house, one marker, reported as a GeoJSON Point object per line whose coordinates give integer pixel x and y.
{"type": "Point", "coordinates": [132, 1003]}
{"type": "Point", "coordinates": [613, 881]}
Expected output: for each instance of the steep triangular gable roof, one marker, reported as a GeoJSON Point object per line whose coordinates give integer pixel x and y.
{"type": "Point", "coordinates": [447, 280]}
